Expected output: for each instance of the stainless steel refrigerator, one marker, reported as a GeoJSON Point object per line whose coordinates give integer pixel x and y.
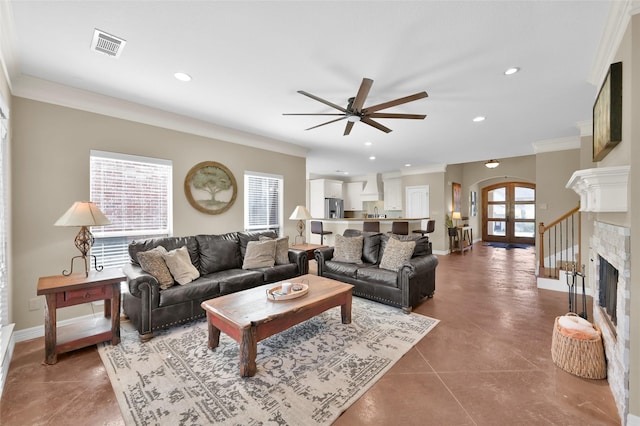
{"type": "Point", "coordinates": [333, 208]}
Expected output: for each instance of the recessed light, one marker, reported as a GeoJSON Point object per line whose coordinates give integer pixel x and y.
{"type": "Point", "coordinates": [373, 157]}
{"type": "Point", "coordinates": [182, 76]}
{"type": "Point", "coordinates": [346, 173]}
{"type": "Point", "coordinates": [368, 143]}
{"type": "Point", "coordinates": [479, 119]}
{"type": "Point", "coordinates": [407, 165]}
{"type": "Point", "coordinates": [511, 71]}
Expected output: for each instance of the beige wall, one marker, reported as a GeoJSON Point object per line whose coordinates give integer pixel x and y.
{"type": "Point", "coordinates": [50, 170]}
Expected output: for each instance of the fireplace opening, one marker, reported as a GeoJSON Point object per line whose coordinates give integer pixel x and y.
{"type": "Point", "coordinates": [608, 297]}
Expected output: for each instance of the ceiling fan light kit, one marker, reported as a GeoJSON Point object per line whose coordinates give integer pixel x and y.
{"type": "Point", "coordinates": [355, 110]}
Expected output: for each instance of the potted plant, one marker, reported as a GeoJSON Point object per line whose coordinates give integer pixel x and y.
{"type": "Point", "coordinates": [448, 222]}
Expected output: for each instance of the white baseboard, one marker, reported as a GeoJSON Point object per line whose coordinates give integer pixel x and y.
{"type": "Point", "coordinates": [7, 343]}
{"type": "Point", "coordinates": [38, 331]}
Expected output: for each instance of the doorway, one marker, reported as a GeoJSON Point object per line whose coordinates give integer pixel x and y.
{"type": "Point", "coordinates": [509, 213]}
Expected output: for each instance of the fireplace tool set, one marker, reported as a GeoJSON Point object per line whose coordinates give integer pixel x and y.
{"type": "Point", "coordinates": [572, 283]}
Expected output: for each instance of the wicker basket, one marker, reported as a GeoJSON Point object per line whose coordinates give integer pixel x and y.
{"type": "Point", "coordinates": [584, 358]}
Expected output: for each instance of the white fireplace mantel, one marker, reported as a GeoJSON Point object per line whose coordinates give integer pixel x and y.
{"type": "Point", "coordinates": [603, 189]}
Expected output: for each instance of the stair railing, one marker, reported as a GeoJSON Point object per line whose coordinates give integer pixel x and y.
{"type": "Point", "coordinates": [561, 241]}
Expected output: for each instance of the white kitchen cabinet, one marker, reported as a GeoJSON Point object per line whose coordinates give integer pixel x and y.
{"type": "Point", "coordinates": [319, 189]}
{"type": "Point", "coordinates": [352, 198]}
{"type": "Point", "coordinates": [393, 194]}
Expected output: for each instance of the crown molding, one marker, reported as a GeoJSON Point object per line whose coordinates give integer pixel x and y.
{"type": "Point", "coordinates": [620, 13]}
{"type": "Point", "coordinates": [552, 145]}
{"type": "Point", "coordinates": [585, 127]}
{"type": "Point", "coordinates": [8, 57]}
{"type": "Point", "coordinates": [436, 168]}
{"type": "Point", "coordinates": [57, 94]}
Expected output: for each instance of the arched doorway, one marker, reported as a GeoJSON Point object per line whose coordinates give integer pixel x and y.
{"type": "Point", "coordinates": [509, 212]}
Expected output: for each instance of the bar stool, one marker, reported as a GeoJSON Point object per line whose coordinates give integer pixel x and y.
{"type": "Point", "coordinates": [431, 226]}
{"type": "Point", "coordinates": [316, 228]}
{"type": "Point", "coordinates": [371, 226]}
{"type": "Point", "coordinates": [400, 228]}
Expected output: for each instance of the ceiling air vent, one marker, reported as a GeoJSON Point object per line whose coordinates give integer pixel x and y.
{"type": "Point", "coordinates": [106, 43]}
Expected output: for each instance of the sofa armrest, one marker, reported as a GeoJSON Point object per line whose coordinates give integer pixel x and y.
{"type": "Point", "coordinates": [139, 281]}
{"type": "Point", "coordinates": [419, 265]}
{"type": "Point", "coordinates": [299, 257]}
{"type": "Point", "coordinates": [417, 279]}
{"type": "Point", "coordinates": [322, 255]}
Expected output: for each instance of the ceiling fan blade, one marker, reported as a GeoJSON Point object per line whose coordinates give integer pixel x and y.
{"type": "Point", "coordinates": [314, 97]}
{"type": "Point", "coordinates": [328, 122]}
{"type": "Point", "coordinates": [375, 124]}
{"type": "Point", "coordinates": [393, 103]}
{"type": "Point", "coordinates": [307, 113]}
{"type": "Point", "coordinates": [348, 128]}
{"type": "Point", "coordinates": [363, 92]}
{"type": "Point", "coordinates": [393, 115]}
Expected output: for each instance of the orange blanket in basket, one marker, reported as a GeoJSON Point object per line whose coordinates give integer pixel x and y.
{"type": "Point", "coordinates": [577, 328]}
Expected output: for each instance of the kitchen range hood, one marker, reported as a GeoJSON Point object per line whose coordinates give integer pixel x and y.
{"type": "Point", "coordinates": [371, 191]}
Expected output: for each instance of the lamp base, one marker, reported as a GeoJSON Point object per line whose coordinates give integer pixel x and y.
{"type": "Point", "coordinates": [86, 265]}
{"type": "Point", "coordinates": [300, 227]}
{"type": "Point", "coordinates": [84, 241]}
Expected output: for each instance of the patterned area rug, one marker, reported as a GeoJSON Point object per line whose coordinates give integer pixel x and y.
{"type": "Point", "coordinates": [308, 374]}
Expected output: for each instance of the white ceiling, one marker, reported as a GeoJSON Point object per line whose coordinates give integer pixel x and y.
{"type": "Point", "coordinates": [249, 59]}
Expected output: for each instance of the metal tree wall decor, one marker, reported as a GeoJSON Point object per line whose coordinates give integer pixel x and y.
{"type": "Point", "coordinates": [210, 187]}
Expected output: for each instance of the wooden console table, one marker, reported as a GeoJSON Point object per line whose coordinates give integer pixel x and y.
{"type": "Point", "coordinates": [61, 291]}
{"type": "Point", "coordinates": [309, 248]}
{"type": "Point", "coordinates": [463, 241]}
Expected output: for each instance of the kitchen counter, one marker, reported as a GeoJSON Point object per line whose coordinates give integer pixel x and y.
{"type": "Point", "coordinates": [339, 225]}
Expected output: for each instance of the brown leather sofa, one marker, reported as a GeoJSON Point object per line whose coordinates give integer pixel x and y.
{"type": "Point", "coordinates": [415, 280]}
{"type": "Point", "coordinates": [219, 260]}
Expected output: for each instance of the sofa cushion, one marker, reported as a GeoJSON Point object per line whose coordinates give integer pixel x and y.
{"type": "Point", "coordinates": [348, 249]}
{"type": "Point", "coordinates": [218, 252]}
{"type": "Point", "coordinates": [423, 247]}
{"type": "Point", "coordinates": [371, 248]}
{"type": "Point", "coordinates": [278, 272]}
{"type": "Point", "coordinates": [341, 268]}
{"type": "Point", "coordinates": [282, 249]}
{"type": "Point", "coordinates": [238, 279]}
{"type": "Point", "coordinates": [169, 243]}
{"type": "Point", "coordinates": [180, 266]}
{"type": "Point", "coordinates": [376, 275]}
{"type": "Point", "coordinates": [396, 253]}
{"type": "Point", "coordinates": [246, 236]}
{"type": "Point", "coordinates": [203, 288]}
{"type": "Point", "coordinates": [152, 262]}
{"type": "Point", "coordinates": [260, 254]}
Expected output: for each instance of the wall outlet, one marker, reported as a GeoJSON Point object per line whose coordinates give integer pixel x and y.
{"type": "Point", "coordinates": [34, 304]}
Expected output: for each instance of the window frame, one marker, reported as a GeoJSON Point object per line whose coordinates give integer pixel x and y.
{"type": "Point", "coordinates": [280, 202]}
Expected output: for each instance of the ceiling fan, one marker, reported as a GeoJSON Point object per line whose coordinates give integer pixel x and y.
{"type": "Point", "coordinates": [355, 110]}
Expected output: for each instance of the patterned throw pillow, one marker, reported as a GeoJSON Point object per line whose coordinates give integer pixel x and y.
{"type": "Point", "coordinates": [396, 253]}
{"type": "Point", "coordinates": [282, 249]}
{"type": "Point", "coordinates": [152, 262]}
{"type": "Point", "coordinates": [348, 249]}
{"type": "Point", "coordinates": [180, 266]}
{"type": "Point", "coordinates": [260, 254]}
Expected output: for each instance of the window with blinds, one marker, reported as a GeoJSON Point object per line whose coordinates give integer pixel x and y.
{"type": "Point", "coordinates": [263, 201]}
{"type": "Point", "coordinates": [135, 194]}
{"type": "Point", "coordinates": [4, 203]}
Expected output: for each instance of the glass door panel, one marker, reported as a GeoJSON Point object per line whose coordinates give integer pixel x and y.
{"type": "Point", "coordinates": [509, 213]}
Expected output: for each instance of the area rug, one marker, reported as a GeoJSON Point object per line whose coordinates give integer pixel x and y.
{"type": "Point", "coordinates": [509, 246]}
{"type": "Point", "coordinates": [308, 374]}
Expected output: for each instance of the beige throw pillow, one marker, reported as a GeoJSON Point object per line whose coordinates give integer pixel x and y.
{"type": "Point", "coordinates": [282, 249]}
{"type": "Point", "coordinates": [152, 262]}
{"type": "Point", "coordinates": [396, 253]}
{"type": "Point", "coordinates": [180, 266]}
{"type": "Point", "coordinates": [348, 249]}
{"type": "Point", "coordinates": [260, 254]}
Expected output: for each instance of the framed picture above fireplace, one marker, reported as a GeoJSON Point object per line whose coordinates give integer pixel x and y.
{"type": "Point", "coordinates": [607, 113]}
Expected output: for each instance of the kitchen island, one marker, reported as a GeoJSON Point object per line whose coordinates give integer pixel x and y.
{"type": "Point", "coordinates": [338, 226]}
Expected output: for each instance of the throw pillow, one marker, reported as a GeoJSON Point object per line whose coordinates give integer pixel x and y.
{"type": "Point", "coordinates": [396, 253]}
{"type": "Point", "coordinates": [260, 254]}
{"type": "Point", "coordinates": [282, 249]}
{"type": "Point", "coordinates": [348, 249]}
{"type": "Point", "coordinates": [152, 262]}
{"type": "Point", "coordinates": [180, 266]}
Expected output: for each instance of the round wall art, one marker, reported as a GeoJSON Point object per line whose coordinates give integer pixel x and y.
{"type": "Point", "coordinates": [210, 187]}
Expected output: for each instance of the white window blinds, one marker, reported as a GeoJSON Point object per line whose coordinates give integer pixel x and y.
{"type": "Point", "coordinates": [263, 201]}
{"type": "Point", "coordinates": [135, 194]}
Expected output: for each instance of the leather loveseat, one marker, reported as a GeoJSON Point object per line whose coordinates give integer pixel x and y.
{"type": "Point", "coordinates": [219, 261]}
{"type": "Point", "coordinates": [414, 279]}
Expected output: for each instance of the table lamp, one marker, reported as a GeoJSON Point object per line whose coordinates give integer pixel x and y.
{"type": "Point", "coordinates": [300, 214]}
{"type": "Point", "coordinates": [456, 216]}
{"type": "Point", "coordinates": [83, 214]}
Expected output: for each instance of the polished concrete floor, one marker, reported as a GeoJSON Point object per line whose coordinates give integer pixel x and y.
{"type": "Point", "coordinates": [488, 362]}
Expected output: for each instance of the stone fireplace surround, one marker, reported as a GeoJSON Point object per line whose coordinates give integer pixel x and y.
{"type": "Point", "coordinates": [612, 243]}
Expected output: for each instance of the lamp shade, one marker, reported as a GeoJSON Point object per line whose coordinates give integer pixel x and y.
{"type": "Point", "coordinates": [83, 213]}
{"type": "Point", "coordinates": [300, 213]}
{"type": "Point", "coordinates": [456, 216]}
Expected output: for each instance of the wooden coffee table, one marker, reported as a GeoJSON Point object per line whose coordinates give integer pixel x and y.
{"type": "Point", "coordinates": [248, 316]}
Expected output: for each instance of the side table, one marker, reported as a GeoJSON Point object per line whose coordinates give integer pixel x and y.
{"type": "Point", "coordinates": [309, 248]}
{"type": "Point", "coordinates": [62, 291]}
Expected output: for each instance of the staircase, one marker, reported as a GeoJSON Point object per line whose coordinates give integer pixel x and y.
{"type": "Point", "coordinates": [559, 250]}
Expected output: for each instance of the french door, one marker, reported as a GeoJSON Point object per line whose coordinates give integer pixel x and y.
{"type": "Point", "coordinates": [509, 213]}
